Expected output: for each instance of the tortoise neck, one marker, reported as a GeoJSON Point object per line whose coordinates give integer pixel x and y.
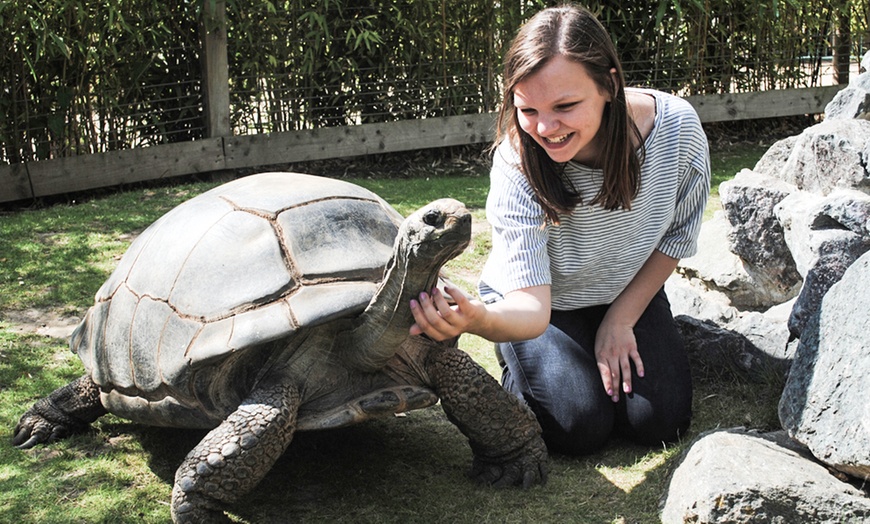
{"type": "Point", "coordinates": [385, 323]}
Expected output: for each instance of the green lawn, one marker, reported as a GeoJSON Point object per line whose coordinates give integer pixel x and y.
{"type": "Point", "coordinates": [402, 469]}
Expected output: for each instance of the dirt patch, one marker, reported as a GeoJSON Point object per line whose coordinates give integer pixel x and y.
{"type": "Point", "coordinates": [47, 323]}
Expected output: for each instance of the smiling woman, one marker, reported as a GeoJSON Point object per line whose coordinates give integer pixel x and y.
{"type": "Point", "coordinates": [596, 191]}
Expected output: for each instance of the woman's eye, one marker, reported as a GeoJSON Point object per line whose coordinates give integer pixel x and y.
{"type": "Point", "coordinates": [527, 111]}
{"type": "Point", "coordinates": [566, 107]}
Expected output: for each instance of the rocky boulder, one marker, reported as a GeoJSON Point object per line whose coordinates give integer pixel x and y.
{"type": "Point", "coordinates": [735, 477]}
{"type": "Point", "coordinates": [823, 404]}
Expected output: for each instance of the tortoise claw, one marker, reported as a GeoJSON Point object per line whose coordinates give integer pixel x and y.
{"type": "Point", "coordinates": [35, 429]}
{"type": "Point", "coordinates": [524, 467]}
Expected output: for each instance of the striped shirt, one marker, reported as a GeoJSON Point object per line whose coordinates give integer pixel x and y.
{"type": "Point", "coordinates": [594, 253]}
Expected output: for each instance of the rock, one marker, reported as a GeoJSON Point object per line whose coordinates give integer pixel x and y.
{"type": "Point", "coordinates": [832, 154]}
{"type": "Point", "coordinates": [735, 477]}
{"type": "Point", "coordinates": [825, 235]}
{"type": "Point", "coordinates": [775, 157]}
{"type": "Point", "coordinates": [824, 404]}
{"type": "Point", "coordinates": [717, 269]}
{"type": "Point", "coordinates": [756, 236]}
{"type": "Point", "coordinates": [691, 297]}
{"type": "Point", "coordinates": [766, 332]}
{"type": "Point", "coordinates": [852, 101]}
{"type": "Point", "coordinates": [716, 352]}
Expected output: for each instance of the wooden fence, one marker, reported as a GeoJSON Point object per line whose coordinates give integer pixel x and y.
{"type": "Point", "coordinates": [70, 174]}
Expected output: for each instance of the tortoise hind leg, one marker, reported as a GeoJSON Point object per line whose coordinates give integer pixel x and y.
{"type": "Point", "coordinates": [235, 456]}
{"type": "Point", "coordinates": [504, 434]}
{"type": "Point", "coordinates": [68, 410]}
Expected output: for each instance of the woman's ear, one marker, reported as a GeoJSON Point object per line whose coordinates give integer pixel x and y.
{"type": "Point", "coordinates": [614, 81]}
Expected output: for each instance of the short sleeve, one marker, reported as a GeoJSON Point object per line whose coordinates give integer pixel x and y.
{"type": "Point", "coordinates": [681, 238]}
{"type": "Point", "coordinates": [518, 258]}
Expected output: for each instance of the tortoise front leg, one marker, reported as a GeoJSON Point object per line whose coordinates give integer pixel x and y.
{"type": "Point", "coordinates": [235, 456]}
{"type": "Point", "coordinates": [67, 410]}
{"type": "Point", "coordinates": [504, 434]}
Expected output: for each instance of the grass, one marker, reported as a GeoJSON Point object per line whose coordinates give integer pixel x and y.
{"type": "Point", "coordinates": [402, 469]}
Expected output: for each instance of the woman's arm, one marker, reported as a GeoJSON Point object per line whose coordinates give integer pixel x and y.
{"type": "Point", "coordinates": [615, 344]}
{"type": "Point", "coordinates": [522, 314]}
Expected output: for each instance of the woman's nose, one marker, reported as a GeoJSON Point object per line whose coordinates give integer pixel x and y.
{"type": "Point", "coordinates": [547, 124]}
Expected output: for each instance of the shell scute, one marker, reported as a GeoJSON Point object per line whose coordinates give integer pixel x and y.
{"type": "Point", "coordinates": [148, 322]}
{"type": "Point", "coordinates": [261, 325]}
{"type": "Point", "coordinates": [271, 193]}
{"type": "Point", "coordinates": [151, 264]}
{"type": "Point", "coordinates": [325, 302]}
{"type": "Point", "coordinates": [114, 355]}
{"type": "Point", "coordinates": [175, 337]}
{"type": "Point", "coordinates": [237, 263]}
{"type": "Point", "coordinates": [338, 239]}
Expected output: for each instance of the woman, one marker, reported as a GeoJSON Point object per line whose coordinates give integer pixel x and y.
{"type": "Point", "coordinates": [596, 191]}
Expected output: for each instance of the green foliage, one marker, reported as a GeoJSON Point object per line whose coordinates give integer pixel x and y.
{"type": "Point", "coordinates": [96, 75]}
{"type": "Point", "coordinates": [89, 76]}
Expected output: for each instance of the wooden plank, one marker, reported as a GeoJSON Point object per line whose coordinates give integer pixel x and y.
{"type": "Point", "coordinates": [79, 173]}
{"type": "Point", "coordinates": [337, 142]}
{"type": "Point", "coordinates": [763, 104]}
{"type": "Point", "coordinates": [15, 183]}
{"type": "Point", "coordinates": [84, 172]}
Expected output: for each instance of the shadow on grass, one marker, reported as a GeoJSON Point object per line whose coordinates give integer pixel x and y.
{"type": "Point", "coordinates": [413, 469]}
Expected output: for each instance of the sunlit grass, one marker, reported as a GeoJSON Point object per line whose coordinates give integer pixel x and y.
{"type": "Point", "coordinates": [403, 469]}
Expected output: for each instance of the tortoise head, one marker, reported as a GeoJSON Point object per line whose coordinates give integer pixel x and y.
{"type": "Point", "coordinates": [434, 234]}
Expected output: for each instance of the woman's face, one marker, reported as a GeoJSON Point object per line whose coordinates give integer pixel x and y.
{"type": "Point", "coordinates": [561, 108]}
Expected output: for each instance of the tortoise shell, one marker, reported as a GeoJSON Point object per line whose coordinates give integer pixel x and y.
{"type": "Point", "coordinates": [249, 262]}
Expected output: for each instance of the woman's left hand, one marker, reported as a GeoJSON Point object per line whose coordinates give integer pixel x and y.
{"type": "Point", "coordinates": [615, 350]}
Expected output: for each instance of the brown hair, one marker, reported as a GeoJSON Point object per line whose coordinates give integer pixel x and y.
{"type": "Point", "coordinates": [572, 32]}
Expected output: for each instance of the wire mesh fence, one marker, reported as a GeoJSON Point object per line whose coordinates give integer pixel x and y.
{"type": "Point", "coordinates": [98, 75]}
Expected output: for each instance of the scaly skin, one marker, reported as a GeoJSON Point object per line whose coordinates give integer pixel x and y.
{"type": "Point", "coordinates": [68, 410]}
{"type": "Point", "coordinates": [235, 456]}
{"type": "Point", "coordinates": [503, 432]}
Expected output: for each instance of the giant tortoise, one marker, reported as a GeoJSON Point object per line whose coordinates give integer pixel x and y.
{"type": "Point", "coordinates": [274, 303]}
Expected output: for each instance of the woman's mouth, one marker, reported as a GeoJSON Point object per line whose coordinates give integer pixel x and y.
{"type": "Point", "coordinates": [556, 139]}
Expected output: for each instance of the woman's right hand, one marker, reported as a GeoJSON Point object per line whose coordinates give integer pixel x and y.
{"type": "Point", "coordinates": [441, 321]}
{"type": "Point", "coordinates": [522, 314]}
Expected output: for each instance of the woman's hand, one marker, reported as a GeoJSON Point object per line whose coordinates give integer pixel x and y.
{"type": "Point", "coordinates": [615, 350]}
{"type": "Point", "coordinates": [522, 314]}
{"type": "Point", "coordinates": [439, 320]}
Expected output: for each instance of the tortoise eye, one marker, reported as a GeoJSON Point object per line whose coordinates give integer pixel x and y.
{"type": "Point", "coordinates": [433, 218]}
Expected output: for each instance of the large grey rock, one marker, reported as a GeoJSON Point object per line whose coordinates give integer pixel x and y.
{"type": "Point", "coordinates": [772, 161]}
{"type": "Point", "coordinates": [716, 352]}
{"type": "Point", "coordinates": [767, 331]}
{"type": "Point", "coordinates": [756, 235]}
{"type": "Point", "coordinates": [824, 404]}
{"type": "Point", "coordinates": [691, 297]}
{"type": "Point", "coordinates": [825, 235]}
{"type": "Point", "coordinates": [735, 477]}
{"type": "Point", "coordinates": [852, 101]}
{"type": "Point", "coordinates": [721, 271]}
{"type": "Point", "coordinates": [829, 155]}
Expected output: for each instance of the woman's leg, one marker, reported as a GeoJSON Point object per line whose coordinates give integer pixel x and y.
{"type": "Point", "coordinates": [559, 380]}
{"type": "Point", "coordinates": [556, 374]}
{"type": "Point", "coordinates": [659, 409]}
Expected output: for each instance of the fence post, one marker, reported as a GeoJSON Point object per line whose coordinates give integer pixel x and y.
{"type": "Point", "coordinates": [842, 44]}
{"type": "Point", "coordinates": [215, 70]}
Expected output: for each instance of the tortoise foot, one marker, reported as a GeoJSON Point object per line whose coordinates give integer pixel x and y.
{"type": "Point", "coordinates": [524, 467]}
{"type": "Point", "coordinates": [66, 411]}
{"type": "Point", "coordinates": [191, 508]}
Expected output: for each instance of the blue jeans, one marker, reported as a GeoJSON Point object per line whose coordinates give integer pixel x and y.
{"type": "Point", "coordinates": [557, 375]}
